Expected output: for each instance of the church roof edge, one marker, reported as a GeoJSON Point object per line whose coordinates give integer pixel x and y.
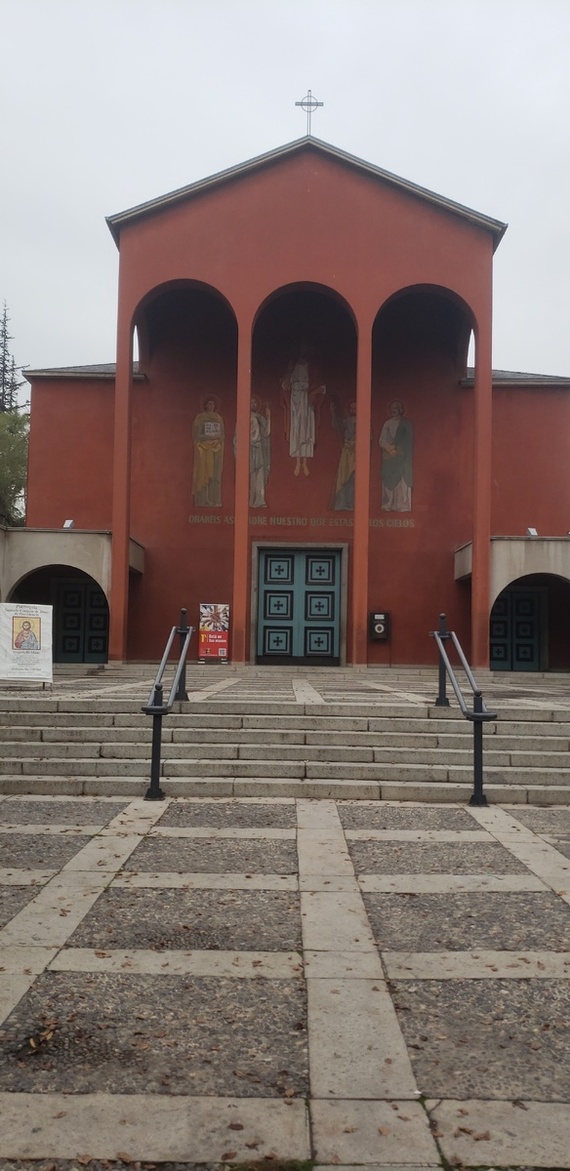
{"type": "Point", "coordinates": [115, 222]}
{"type": "Point", "coordinates": [106, 370]}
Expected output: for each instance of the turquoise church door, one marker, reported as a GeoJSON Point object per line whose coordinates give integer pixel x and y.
{"type": "Point", "coordinates": [299, 607]}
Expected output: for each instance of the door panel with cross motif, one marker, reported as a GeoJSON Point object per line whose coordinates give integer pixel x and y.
{"type": "Point", "coordinates": [515, 631]}
{"type": "Point", "coordinates": [81, 622]}
{"type": "Point", "coordinates": [299, 607]}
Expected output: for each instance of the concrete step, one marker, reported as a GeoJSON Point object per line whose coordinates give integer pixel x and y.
{"type": "Point", "coordinates": [204, 769]}
{"type": "Point", "coordinates": [270, 751]}
{"type": "Point", "coordinates": [425, 790]}
{"type": "Point", "coordinates": [298, 737]}
{"type": "Point", "coordinates": [219, 723]}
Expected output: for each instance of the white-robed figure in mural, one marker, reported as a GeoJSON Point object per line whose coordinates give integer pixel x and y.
{"type": "Point", "coordinates": [304, 393]}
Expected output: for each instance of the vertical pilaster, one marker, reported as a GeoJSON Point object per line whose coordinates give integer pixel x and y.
{"type": "Point", "coordinates": [241, 503]}
{"type": "Point", "coordinates": [121, 512]}
{"type": "Point", "coordinates": [359, 649]}
{"type": "Point", "coordinates": [480, 579]}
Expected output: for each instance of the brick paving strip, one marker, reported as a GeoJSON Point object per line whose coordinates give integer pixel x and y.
{"type": "Point", "coordinates": [366, 1060]}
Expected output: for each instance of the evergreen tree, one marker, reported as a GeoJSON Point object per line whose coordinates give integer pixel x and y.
{"type": "Point", "coordinates": [13, 433]}
{"type": "Point", "coordinates": [13, 466]}
{"type": "Point", "coordinates": [10, 382]}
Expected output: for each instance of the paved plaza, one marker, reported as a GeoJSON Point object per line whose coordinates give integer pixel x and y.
{"type": "Point", "coordinates": [210, 981]}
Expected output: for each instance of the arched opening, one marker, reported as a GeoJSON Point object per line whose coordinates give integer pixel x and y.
{"type": "Point", "coordinates": [182, 487]}
{"type": "Point", "coordinates": [421, 477]}
{"type": "Point", "coordinates": [80, 611]}
{"type": "Point", "coordinates": [302, 474]}
{"type": "Point", "coordinates": [528, 628]}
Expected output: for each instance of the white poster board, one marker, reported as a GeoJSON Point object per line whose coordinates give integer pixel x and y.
{"type": "Point", "coordinates": [26, 642]}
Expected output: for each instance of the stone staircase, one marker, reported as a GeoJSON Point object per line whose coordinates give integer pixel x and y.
{"type": "Point", "coordinates": [367, 735]}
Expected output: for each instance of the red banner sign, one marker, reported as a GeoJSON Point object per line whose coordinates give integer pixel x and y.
{"type": "Point", "coordinates": [214, 631]}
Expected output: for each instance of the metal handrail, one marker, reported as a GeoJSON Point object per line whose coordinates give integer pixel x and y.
{"type": "Point", "coordinates": [157, 708]}
{"type": "Point", "coordinates": [478, 714]}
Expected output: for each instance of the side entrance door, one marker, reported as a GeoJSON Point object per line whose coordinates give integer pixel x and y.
{"type": "Point", "coordinates": [298, 619]}
{"type": "Point", "coordinates": [515, 631]}
{"type": "Point", "coordinates": [81, 622]}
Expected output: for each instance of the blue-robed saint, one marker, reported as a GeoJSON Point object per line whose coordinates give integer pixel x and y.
{"type": "Point", "coordinates": [397, 444]}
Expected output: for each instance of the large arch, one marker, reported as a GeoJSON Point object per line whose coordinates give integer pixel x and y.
{"type": "Point", "coordinates": [173, 300]}
{"type": "Point", "coordinates": [302, 470]}
{"type": "Point", "coordinates": [528, 628]}
{"type": "Point", "coordinates": [80, 610]}
{"type": "Point", "coordinates": [421, 472]}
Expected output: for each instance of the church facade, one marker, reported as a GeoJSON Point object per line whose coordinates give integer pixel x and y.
{"type": "Point", "coordinates": [300, 437]}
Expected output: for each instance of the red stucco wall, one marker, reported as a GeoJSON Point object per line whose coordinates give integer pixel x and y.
{"type": "Point", "coordinates": [531, 459]}
{"type": "Point", "coordinates": [70, 453]}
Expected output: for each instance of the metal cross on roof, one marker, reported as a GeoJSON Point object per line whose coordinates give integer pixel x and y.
{"type": "Point", "coordinates": [308, 104]}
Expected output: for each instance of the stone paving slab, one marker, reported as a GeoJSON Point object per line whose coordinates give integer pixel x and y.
{"type": "Point", "coordinates": [217, 855]}
{"type": "Point", "coordinates": [185, 1129]}
{"type": "Point", "coordinates": [197, 920]}
{"type": "Point", "coordinates": [545, 821]}
{"type": "Point", "coordinates": [356, 1047]}
{"type": "Point", "coordinates": [239, 965]}
{"type": "Point", "coordinates": [524, 1134]}
{"type": "Point", "coordinates": [200, 1036]}
{"type": "Point", "coordinates": [490, 1039]}
{"type": "Point", "coordinates": [37, 812]}
{"type": "Point", "coordinates": [448, 883]}
{"type": "Point", "coordinates": [445, 857]}
{"type": "Point", "coordinates": [459, 922]}
{"type": "Point", "coordinates": [477, 965]}
{"type": "Point", "coordinates": [236, 813]}
{"type": "Point", "coordinates": [230, 881]}
{"type": "Point", "coordinates": [377, 1132]}
{"type": "Point", "coordinates": [371, 815]}
{"type": "Point", "coordinates": [39, 852]}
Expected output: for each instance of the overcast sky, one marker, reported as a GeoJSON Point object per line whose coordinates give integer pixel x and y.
{"type": "Point", "coordinates": [107, 103]}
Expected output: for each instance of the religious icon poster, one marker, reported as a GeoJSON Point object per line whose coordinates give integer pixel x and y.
{"type": "Point", "coordinates": [26, 642]}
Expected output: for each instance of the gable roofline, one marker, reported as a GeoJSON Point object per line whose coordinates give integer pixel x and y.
{"type": "Point", "coordinates": [106, 370]}
{"type": "Point", "coordinates": [517, 378]}
{"type": "Point", "coordinates": [115, 222]}
{"type": "Point", "coordinates": [100, 371]}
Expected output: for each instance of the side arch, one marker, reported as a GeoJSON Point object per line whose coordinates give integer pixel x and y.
{"type": "Point", "coordinates": [80, 611]}
{"type": "Point", "coordinates": [528, 628]}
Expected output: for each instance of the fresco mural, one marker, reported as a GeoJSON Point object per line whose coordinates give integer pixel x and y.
{"type": "Point", "coordinates": [304, 393]}
{"type": "Point", "coordinates": [259, 452]}
{"type": "Point", "coordinates": [397, 447]}
{"type": "Point", "coordinates": [343, 494]}
{"type": "Point", "coordinates": [208, 442]}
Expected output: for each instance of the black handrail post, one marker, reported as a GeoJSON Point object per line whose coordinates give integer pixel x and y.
{"type": "Point", "coordinates": [181, 693]}
{"type": "Point", "coordinates": [478, 797]}
{"type": "Point", "coordinates": [154, 792]}
{"type": "Point", "coordinates": [442, 700]}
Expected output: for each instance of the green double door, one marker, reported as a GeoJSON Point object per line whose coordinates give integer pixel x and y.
{"type": "Point", "coordinates": [299, 593]}
{"type": "Point", "coordinates": [81, 622]}
{"type": "Point", "coordinates": [515, 631]}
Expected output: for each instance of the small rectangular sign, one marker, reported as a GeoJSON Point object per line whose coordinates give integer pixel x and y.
{"type": "Point", "coordinates": [26, 642]}
{"type": "Point", "coordinates": [214, 630]}
{"type": "Point", "coordinates": [379, 626]}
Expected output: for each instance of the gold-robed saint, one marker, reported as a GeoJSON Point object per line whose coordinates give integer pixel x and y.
{"type": "Point", "coordinates": [208, 442]}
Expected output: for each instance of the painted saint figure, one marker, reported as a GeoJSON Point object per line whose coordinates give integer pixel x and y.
{"type": "Point", "coordinates": [208, 442]}
{"type": "Point", "coordinates": [397, 445]}
{"type": "Point", "coordinates": [26, 639]}
{"type": "Point", "coordinates": [259, 453]}
{"type": "Point", "coordinates": [343, 495]}
{"type": "Point", "coordinates": [305, 393]}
